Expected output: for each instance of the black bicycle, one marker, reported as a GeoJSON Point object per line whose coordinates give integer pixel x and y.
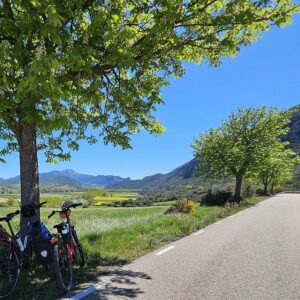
{"type": "Point", "coordinates": [15, 249]}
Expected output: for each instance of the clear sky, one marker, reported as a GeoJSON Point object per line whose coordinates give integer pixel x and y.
{"type": "Point", "coordinates": [265, 73]}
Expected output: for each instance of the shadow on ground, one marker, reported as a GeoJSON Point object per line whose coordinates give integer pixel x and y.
{"type": "Point", "coordinates": [39, 282]}
{"type": "Point", "coordinates": [122, 284]}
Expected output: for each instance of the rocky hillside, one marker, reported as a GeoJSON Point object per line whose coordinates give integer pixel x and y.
{"type": "Point", "coordinates": [293, 137]}
{"type": "Point", "coordinates": [181, 174]}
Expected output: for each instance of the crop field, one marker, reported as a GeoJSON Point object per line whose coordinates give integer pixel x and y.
{"type": "Point", "coordinates": [107, 196]}
{"type": "Point", "coordinates": [99, 196]}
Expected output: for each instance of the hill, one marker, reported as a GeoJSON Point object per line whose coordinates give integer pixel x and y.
{"type": "Point", "coordinates": [182, 174]}
{"type": "Point", "coordinates": [69, 178]}
{"type": "Point", "coordinates": [293, 136]}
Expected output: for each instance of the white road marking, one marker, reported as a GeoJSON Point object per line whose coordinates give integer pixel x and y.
{"type": "Point", "coordinates": [240, 212]}
{"type": "Point", "coordinates": [199, 232]}
{"type": "Point", "coordinates": [219, 222]}
{"type": "Point", "coordinates": [87, 291]}
{"type": "Point", "coordinates": [165, 250]}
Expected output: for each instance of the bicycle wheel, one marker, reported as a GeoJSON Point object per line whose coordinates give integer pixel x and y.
{"type": "Point", "coordinates": [9, 269]}
{"type": "Point", "coordinates": [63, 266]}
{"type": "Point", "coordinates": [78, 247]}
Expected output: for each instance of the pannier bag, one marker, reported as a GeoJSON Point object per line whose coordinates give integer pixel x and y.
{"type": "Point", "coordinates": [40, 237]}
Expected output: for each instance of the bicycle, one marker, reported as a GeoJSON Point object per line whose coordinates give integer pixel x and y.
{"type": "Point", "coordinates": [14, 253]}
{"type": "Point", "coordinates": [67, 247]}
{"type": "Point", "coordinates": [10, 263]}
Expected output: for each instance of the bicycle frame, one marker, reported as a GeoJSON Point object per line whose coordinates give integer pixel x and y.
{"type": "Point", "coordinates": [13, 239]}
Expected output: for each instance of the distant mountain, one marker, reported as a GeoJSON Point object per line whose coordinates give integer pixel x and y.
{"type": "Point", "coordinates": [181, 174]}
{"type": "Point", "coordinates": [84, 179]}
{"type": "Point", "coordinates": [71, 178]}
{"type": "Point", "coordinates": [47, 179]}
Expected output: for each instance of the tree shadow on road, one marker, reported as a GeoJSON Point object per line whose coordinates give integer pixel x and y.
{"type": "Point", "coordinates": [39, 283]}
{"type": "Point", "coordinates": [122, 284]}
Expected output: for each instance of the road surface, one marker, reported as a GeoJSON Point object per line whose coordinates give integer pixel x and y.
{"type": "Point", "coordinates": [251, 255]}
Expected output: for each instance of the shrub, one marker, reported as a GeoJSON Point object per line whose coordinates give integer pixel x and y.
{"type": "Point", "coordinates": [248, 191]}
{"type": "Point", "coordinates": [260, 192]}
{"type": "Point", "coordinates": [130, 203]}
{"type": "Point", "coordinates": [182, 206]}
{"type": "Point", "coordinates": [218, 198]}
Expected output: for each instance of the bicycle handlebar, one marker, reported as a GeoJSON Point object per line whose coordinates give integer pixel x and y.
{"type": "Point", "coordinates": [40, 205]}
{"type": "Point", "coordinates": [74, 205]}
{"type": "Point", "coordinates": [9, 216]}
{"type": "Point", "coordinates": [52, 213]}
{"type": "Point", "coordinates": [29, 211]}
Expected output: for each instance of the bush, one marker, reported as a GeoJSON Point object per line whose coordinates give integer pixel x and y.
{"type": "Point", "coordinates": [182, 206]}
{"type": "Point", "coordinates": [260, 192]}
{"type": "Point", "coordinates": [218, 198]}
{"type": "Point", "coordinates": [248, 191]}
{"type": "Point", "coordinates": [130, 203]}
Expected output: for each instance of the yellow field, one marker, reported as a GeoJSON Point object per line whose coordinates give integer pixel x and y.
{"type": "Point", "coordinates": [100, 198]}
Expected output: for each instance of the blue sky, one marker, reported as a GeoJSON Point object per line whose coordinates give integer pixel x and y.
{"type": "Point", "coordinates": [265, 73]}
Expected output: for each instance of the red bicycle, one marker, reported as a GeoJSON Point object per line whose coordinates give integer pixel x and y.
{"type": "Point", "coordinates": [66, 247]}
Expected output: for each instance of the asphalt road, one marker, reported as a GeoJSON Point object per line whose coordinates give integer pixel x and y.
{"type": "Point", "coordinates": [251, 255]}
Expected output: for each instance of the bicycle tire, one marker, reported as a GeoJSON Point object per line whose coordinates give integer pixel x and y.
{"type": "Point", "coordinates": [10, 268]}
{"type": "Point", "coordinates": [63, 266]}
{"type": "Point", "coordinates": [78, 247]}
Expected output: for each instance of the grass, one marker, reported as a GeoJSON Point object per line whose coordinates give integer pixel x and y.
{"type": "Point", "coordinates": [115, 236]}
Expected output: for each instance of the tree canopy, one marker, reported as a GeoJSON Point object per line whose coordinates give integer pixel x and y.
{"type": "Point", "coordinates": [242, 144]}
{"type": "Point", "coordinates": [67, 66]}
{"type": "Point", "coordinates": [82, 69]}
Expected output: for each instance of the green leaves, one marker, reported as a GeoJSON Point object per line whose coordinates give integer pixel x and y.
{"type": "Point", "coordinates": [246, 144]}
{"type": "Point", "coordinates": [53, 17]}
{"type": "Point", "coordinates": [113, 57]}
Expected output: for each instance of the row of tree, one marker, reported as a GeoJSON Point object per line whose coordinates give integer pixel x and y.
{"type": "Point", "coordinates": [248, 145]}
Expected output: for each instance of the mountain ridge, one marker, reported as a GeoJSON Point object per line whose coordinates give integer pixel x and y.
{"type": "Point", "coordinates": [71, 178]}
{"type": "Point", "coordinates": [183, 173]}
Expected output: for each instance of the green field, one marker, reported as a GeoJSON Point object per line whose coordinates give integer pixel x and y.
{"type": "Point", "coordinates": [115, 236]}
{"type": "Point", "coordinates": [98, 197]}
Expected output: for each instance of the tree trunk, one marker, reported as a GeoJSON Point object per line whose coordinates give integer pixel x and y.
{"type": "Point", "coordinates": [238, 188]}
{"type": "Point", "coordinates": [272, 188]}
{"type": "Point", "coordinates": [29, 173]}
{"type": "Point", "coordinates": [265, 187]}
